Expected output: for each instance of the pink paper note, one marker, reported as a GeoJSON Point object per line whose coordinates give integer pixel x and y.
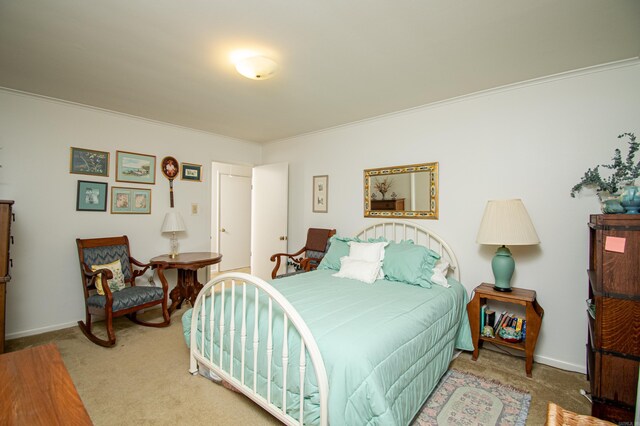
{"type": "Point", "coordinates": [615, 244]}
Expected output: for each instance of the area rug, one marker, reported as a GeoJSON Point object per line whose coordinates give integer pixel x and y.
{"type": "Point", "coordinates": [466, 399]}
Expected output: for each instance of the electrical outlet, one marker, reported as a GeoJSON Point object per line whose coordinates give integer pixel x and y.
{"type": "Point", "coordinates": [194, 209]}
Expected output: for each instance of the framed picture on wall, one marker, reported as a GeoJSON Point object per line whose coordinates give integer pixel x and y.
{"type": "Point", "coordinates": [92, 196]}
{"type": "Point", "coordinates": [320, 194]}
{"type": "Point", "coordinates": [134, 167]}
{"type": "Point", "coordinates": [192, 172]}
{"type": "Point", "coordinates": [130, 200]}
{"type": "Point", "coordinates": [89, 162]}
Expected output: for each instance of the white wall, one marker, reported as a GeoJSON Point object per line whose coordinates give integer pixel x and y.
{"type": "Point", "coordinates": [45, 292]}
{"type": "Point", "coordinates": [531, 141]}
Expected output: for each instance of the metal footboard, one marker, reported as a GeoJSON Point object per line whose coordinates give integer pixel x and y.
{"type": "Point", "coordinates": [220, 337]}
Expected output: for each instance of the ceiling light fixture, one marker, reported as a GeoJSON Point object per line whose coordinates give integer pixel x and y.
{"type": "Point", "coordinates": [257, 67]}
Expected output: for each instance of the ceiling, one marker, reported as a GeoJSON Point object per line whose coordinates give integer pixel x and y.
{"type": "Point", "coordinates": [340, 61]}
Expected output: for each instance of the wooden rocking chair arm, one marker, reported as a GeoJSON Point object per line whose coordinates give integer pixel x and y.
{"type": "Point", "coordinates": [298, 253]}
{"type": "Point", "coordinates": [138, 263]}
{"type": "Point", "coordinates": [91, 276]}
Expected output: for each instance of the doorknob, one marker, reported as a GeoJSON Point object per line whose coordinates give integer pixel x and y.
{"type": "Point", "coordinates": [223, 230]}
{"type": "Point", "coordinates": [283, 238]}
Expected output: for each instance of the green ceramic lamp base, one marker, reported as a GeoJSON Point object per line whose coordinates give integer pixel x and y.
{"type": "Point", "coordinates": [503, 266]}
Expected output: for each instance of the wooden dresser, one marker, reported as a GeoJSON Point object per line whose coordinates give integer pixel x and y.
{"type": "Point", "coordinates": [613, 347]}
{"type": "Point", "coordinates": [397, 204]}
{"type": "Point", "coordinates": [6, 217]}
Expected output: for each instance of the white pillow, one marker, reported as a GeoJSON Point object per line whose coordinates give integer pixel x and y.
{"type": "Point", "coordinates": [439, 276]}
{"type": "Point", "coordinates": [369, 252]}
{"type": "Point", "coordinates": [357, 269]}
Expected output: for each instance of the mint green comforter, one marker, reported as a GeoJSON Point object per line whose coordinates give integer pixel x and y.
{"type": "Point", "coordinates": [385, 345]}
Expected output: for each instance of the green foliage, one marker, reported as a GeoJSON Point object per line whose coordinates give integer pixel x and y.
{"type": "Point", "coordinates": [624, 172]}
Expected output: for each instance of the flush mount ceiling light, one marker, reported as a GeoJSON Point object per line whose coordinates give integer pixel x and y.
{"type": "Point", "coordinates": [256, 67]}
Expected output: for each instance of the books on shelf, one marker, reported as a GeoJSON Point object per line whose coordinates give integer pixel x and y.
{"type": "Point", "coordinates": [498, 321]}
{"type": "Point", "coordinates": [507, 319]}
{"type": "Point", "coordinates": [487, 320]}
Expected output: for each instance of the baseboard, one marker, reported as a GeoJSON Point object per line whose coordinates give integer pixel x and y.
{"type": "Point", "coordinates": [551, 362]}
{"type": "Point", "coordinates": [41, 330]}
{"type": "Point", "coordinates": [560, 364]}
{"type": "Point", "coordinates": [49, 328]}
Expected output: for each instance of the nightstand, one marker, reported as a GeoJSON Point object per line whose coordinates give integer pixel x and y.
{"type": "Point", "coordinates": [518, 296]}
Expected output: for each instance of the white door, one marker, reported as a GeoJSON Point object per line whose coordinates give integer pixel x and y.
{"type": "Point", "coordinates": [235, 221]}
{"type": "Point", "coordinates": [269, 206]}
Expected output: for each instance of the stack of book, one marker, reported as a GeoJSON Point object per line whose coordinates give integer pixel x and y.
{"type": "Point", "coordinates": [505, 319]}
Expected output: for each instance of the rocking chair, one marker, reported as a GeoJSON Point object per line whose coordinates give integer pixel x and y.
{"type": "Point", "coordinates": [310, 255]}
{"type": "Point", "coordinates": [95, 254]}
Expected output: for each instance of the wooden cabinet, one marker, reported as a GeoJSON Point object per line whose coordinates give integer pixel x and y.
{"type": "Point", "coordinates": [6, 217]}
{"type": "Point", "coordinates": [397, 204]}
{"type": "Point", "coordinates": [613, 340]}
{"type": "Point", "coordinates": [518, 296]}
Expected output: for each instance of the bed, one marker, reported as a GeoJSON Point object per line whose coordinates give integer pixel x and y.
{"type": "Point", "coordinates": [318, 349]}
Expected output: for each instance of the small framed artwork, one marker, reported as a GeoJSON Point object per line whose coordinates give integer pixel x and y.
{"type": "Point", "coordinates": [192, 172]}
{"type": "Point", "coordinates": [320, 194]}
{"type": "Point", "coordinates": [92, 196]}
{"type": "Point", "coordinates": [89, 162]}
{"type": "Point", "coordinates": [134, 167]}
{"type": "Point", "coordinates": [130, 200]}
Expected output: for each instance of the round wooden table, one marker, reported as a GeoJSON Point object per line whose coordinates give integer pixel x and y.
{"type": "Point", "coordinates": [187, 265]}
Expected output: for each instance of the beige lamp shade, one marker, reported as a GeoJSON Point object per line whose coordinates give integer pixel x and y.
{"type": "Point", "coordinates": [506, 222]}
{"type": "Point", "coordinates": [173, 223]}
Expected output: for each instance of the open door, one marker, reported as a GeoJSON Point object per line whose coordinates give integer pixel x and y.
{"type": "Point", "coordinates": [235, 219]}
{"type": "Point", "coordinates": [269, 214]}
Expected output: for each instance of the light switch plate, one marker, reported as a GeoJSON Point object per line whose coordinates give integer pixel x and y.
{"type": "Point", "coordinates": [194, 209]}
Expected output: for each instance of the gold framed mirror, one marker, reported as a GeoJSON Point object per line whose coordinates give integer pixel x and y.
{"type": "Point", "coordinates": [402, 191]}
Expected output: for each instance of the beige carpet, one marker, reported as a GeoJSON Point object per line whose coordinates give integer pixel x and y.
{"type": "Point", "coordinates": [144, 379]}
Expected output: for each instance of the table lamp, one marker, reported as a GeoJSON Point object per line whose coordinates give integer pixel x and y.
{"type": "Point", "coordinates": [173, 223]}
{"type": "Point", "coordinates": [505, 222]}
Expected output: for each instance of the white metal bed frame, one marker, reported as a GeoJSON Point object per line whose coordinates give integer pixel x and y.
{"type": "Point", "coordinates": [392, 231]}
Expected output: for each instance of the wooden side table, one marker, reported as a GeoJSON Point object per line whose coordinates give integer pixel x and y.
{"type": "Point", "coordinates": [518, 296]}
{"type": "Point", "coordinates": [187, 264]}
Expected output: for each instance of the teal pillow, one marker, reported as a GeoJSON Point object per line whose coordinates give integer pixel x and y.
{"type": "Point", "coordinates": [409, 263]}
{"type": "Point", "coordinates": [338, 248]}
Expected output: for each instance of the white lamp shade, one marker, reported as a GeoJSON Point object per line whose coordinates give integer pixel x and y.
{"type": "Point", "coordinates": [506, 222]}
{"type": "Point", "coordinates": [173, 223]}
{"type": "Point", "coordinates": [256, 67]}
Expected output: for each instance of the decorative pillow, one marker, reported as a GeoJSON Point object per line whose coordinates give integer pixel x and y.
{"type": "Point", "coordinates": [357, 269]}
{"type": "Point", "coordinates": [410, 263]}
{"type": "Point", "coordinates": [440, 271]}
{"type": "Point", "coordinates": [338, 248]}
{"type": "Point", "coordinates": [116, 283]}
{"type": "Point", "coordinates": [369, 252]}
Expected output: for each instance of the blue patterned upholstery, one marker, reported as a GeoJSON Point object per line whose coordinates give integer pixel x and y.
{"type": "Point", "coordinates": [127, 297]}
{"type": "Point", "coordinates": [107, 254]}
{"type": "Point", "coordinates": [315, 254]}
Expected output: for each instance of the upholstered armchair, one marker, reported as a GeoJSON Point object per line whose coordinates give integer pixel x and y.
{"type": "Point", "coordinates": [109, 283]}
{"type": "Point", "coordinates": [308, 257]}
